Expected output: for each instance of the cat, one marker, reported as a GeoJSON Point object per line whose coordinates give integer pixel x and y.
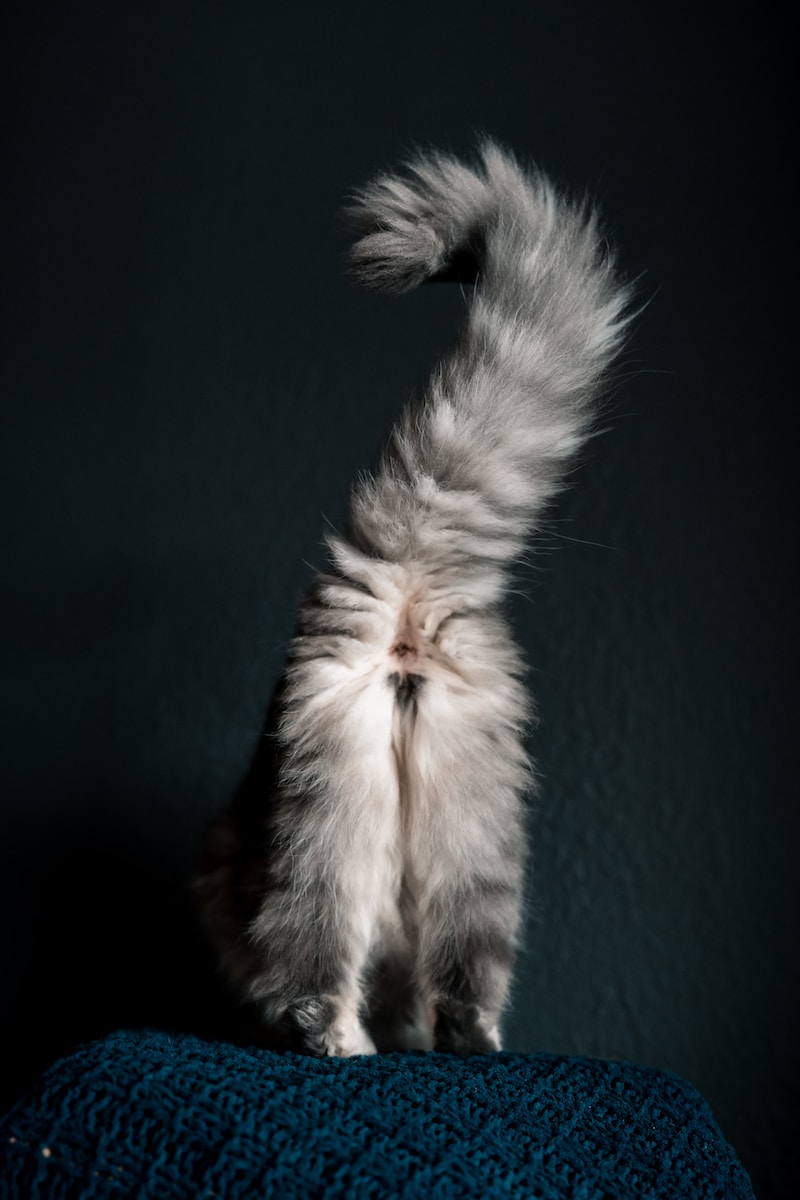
{"type": "Point", "coordinates": [364, 889]}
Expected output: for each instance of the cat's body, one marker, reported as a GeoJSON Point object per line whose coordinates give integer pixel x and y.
{"type": "Point", "coordinates": [365, 886]}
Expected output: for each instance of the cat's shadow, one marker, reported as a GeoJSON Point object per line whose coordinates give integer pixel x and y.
{"type": "Point", "coordinates": [115, 944]}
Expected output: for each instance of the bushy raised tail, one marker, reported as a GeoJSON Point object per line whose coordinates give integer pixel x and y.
{"type": "Point", "coordinates": [468, 470]}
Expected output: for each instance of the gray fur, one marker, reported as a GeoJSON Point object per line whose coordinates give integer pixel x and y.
{"type": "Point", "coordinates": [365, 886]}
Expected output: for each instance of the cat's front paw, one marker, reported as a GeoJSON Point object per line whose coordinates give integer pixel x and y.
{"type": "Point", "coordinates": [462, 1029]}
{"type": "Point", "coordinates": [324, 1029]}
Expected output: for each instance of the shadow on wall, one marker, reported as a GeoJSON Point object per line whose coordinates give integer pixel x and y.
{"type": "Point", "coordinates": [115, 944]}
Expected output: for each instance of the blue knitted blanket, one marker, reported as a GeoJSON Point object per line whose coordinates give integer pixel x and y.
{"type": "Point", "coordinates": [148, 1115]}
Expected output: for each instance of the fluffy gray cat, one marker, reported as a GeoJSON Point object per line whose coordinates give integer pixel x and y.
{"type": "Point", "coordinates": [364, 889]}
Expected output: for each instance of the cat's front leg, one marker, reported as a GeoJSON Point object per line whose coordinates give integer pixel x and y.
{"type": "Point", "coordinates": [325, 1021]}
{"type": "Point", "coordinates": [467, 939]}
{"type": "Point", "coordinates": [308, 983]}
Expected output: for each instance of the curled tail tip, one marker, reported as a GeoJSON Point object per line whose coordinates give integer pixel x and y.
{"type": "Point", "coordinates": [397, 248]}
{"type": "Point", "coordinates": [396, 257]}
{"type": "Point", "coordinates": [410, 225]}
{"type": "Point", "coordinates": [431, 219]}
{"type": "Point", "coordinates": [428, 220]}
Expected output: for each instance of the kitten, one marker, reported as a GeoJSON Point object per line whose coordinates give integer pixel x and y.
{"type": "Point", "coordinates": [365, 887]}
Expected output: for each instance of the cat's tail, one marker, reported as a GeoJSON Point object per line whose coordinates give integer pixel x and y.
{"type": "Point", "coordinates": [468, 470]}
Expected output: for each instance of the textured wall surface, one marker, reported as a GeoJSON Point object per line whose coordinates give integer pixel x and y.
{"type": "Point", "coordinates": [188, 387]}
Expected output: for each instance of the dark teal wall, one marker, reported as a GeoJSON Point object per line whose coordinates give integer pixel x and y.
{"type": "Point", "coordinates": [189, 385]}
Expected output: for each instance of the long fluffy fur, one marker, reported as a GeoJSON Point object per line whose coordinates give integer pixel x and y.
{"type": "Point", "coordinates": [365, 886]}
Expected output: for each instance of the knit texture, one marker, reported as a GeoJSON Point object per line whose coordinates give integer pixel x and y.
{"type": "Point", "coordinates": [149, 1115]}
